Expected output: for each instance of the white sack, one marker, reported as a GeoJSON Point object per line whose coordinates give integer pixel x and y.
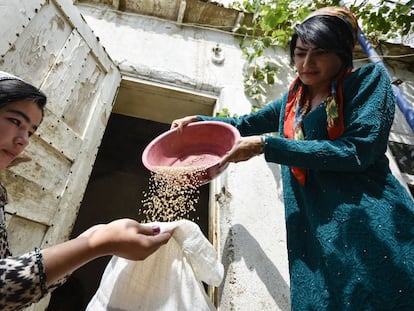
{"type": "Point", "coordinates": [170, 279]}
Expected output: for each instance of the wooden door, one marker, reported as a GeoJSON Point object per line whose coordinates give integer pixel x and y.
{"type": "Point", "coordinates": [48, 44]}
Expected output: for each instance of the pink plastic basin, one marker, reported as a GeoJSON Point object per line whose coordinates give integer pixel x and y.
{"type": "Point", "coordinates": [200, 144]}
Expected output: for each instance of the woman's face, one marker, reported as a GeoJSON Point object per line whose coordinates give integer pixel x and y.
{"type": "Point", "coordinates": [18, 121]}
{"type": "Point", "coordinates": [316, 67]}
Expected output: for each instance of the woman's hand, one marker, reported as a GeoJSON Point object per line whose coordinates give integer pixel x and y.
{"type": "Point", "coordinates": [123, 237]}
{"type": "Point", "coordinates": [127, 238]}
{"type": "Point", "coordinates": [180, 123]}
{"type": "Point", "coordinates": [245, 149]}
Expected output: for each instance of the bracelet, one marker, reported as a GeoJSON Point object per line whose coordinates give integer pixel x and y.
{"type": "Point", "coordinates": [42, 275]}
{"type": "Point", "coordinates": [263, 143]}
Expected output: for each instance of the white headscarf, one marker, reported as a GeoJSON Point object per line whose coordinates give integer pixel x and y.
{"type": "Point", "coordinates": [7, 76]}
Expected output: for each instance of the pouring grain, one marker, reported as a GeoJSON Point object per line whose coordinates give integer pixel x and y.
{"type": "Point", "coordinates": [173, 193]}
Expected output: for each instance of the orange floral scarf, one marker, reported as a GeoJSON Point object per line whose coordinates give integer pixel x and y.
{"type": "Point", "coordinates": [298, 106]}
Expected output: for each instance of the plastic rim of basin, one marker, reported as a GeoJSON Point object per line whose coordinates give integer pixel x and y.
{"type": "Point", "coordinates": [200, 146]}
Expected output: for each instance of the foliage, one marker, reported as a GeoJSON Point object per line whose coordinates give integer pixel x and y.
{"type": "Point", "coordinates": [385, 20]}
{"type": "Point", "coordinates": [273, 22]}
{"type": "Point", "coordinates": [224, 112]}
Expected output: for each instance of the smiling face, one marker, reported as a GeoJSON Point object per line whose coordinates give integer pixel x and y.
{"type": "Point", "coordinates": [18, 121]}
{"type": "Point", "coordinates": [316, 67]}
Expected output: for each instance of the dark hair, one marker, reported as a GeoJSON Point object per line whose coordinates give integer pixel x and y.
{"type": "Point", "coordinates": [330, 33]}
{"type": "Point", "coordinates": [13, 90]}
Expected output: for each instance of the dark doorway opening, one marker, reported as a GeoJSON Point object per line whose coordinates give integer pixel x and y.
{"type": "Point", "coordinates": [115, 190]}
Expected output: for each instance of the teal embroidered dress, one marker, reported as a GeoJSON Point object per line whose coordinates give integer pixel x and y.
{"type": "Point", "coordinates": [350, 229]}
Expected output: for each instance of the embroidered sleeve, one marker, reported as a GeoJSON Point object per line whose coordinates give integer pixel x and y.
{"type": "Point", "coordinates": [22, 278]}
{"type": "Point", "coordinates": [21, 281]}
{"type": "Point", "coordinates": [265, 120]}
{"type": "Point", "coordinates": [369, 105]}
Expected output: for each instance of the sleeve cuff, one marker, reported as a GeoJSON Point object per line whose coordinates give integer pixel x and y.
{"type": "Point", "coordinates": [41, 271]}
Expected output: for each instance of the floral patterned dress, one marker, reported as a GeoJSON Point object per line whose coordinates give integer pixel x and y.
{"type": "Point", "coordinates": [22, 278]}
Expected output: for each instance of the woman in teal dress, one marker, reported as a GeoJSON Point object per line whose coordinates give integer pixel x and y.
{"type": "Point", "coordinates": [350, 223]}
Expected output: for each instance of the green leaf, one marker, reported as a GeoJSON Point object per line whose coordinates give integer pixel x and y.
{"type": "Point", "coordinates": [275, 19]}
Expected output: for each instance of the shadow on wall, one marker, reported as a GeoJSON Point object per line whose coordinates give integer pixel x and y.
{"type": "Point", "coordinates": [250, 251]}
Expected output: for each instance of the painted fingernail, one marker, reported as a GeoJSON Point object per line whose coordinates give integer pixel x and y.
{"type": "Point", "coordinates": [156, 229]}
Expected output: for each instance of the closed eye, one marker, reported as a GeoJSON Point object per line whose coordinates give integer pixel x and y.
{"type": "Point", "coordinates": [300, 54]}
{"type": "Point", "coordinates": [319, 52]}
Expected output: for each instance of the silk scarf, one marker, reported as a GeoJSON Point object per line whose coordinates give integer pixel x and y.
{"type": "Point", "coordinates": [298, 106]}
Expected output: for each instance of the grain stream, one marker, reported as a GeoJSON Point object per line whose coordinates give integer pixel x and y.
{"type": "Point", "coordinates": [173, 193]}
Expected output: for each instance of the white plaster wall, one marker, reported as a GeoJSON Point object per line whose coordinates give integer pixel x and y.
{"type": "Point", "coordinates": [254, 237]}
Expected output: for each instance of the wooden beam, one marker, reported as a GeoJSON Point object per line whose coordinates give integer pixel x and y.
{"type": "Point", "coordinates": [181, 11]}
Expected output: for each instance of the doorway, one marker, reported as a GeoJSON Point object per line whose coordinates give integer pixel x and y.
{"type": "Point", "coordinates": [119, 180]}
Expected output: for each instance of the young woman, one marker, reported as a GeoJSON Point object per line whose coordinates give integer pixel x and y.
{"type": "Point", "coordinates": [27, 278]}
{"type": "Point", "coordinates": [349, 221]}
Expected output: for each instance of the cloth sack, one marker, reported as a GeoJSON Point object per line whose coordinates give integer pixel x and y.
{"type": "Point", "coordinates": [170, 279]}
